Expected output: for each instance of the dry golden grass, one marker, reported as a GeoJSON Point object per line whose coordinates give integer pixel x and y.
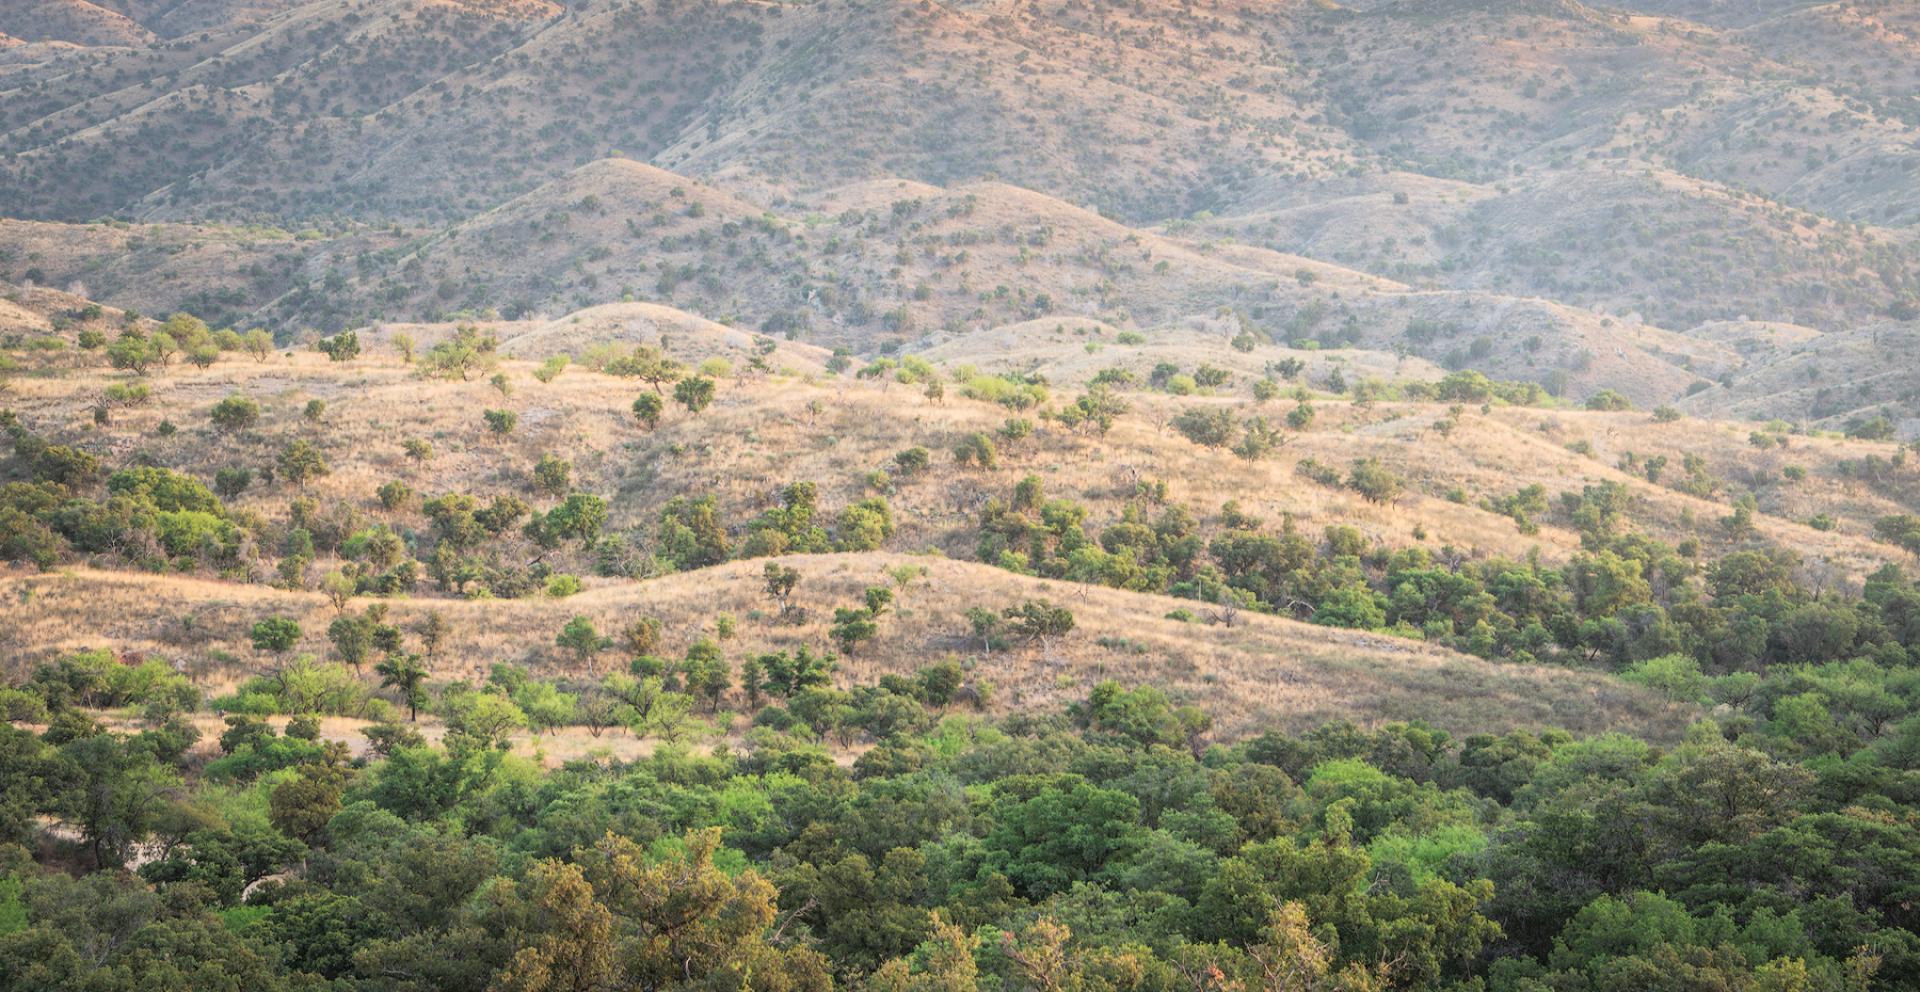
{"type": "Point", "coordinates": [761, 434]}
{"type": "Point", "coordinates": [764, 433]}
{"type": "Point", "coordinates": [1258, 673]}
{"type": "Point", "coordinates": [965, 270]}
{"type": "Point", "coordinates": [550, 748]}
{"type": "Point", "coordinates": [1071, 350]}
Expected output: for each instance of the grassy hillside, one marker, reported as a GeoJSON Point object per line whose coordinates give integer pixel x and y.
{"type": "Point", "coordinates": [801, 423]}
{"type": "Point", "coordinates": [1259, 673]}
{"type": "Point", "coordinates": [782, 415]}
{"type": "Point", "coordinates": [1584, 196]}
{"type": "Point", "coordinates": [960, 496]}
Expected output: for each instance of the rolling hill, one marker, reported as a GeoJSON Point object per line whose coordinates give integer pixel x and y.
{"type": "Point", "coordinates": [1696, 217]}
{"type": "Point", "coordinates": [1583, 195]}
{"type": "Point", "coordinates": [1261, 673]}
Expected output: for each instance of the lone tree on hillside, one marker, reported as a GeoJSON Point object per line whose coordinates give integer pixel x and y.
{"type": "Point", "coordinates": [648, 408]}
{"type": "Point", "coordinates": [986, 625]}
{"type": "Point", "coordinates": [342, 347]}
{"type": "Point", "coordinates": [912, 461]}
{"type": "Point", "coordinates": [275, 634]}
{"type": "Point", "coordinates": [300, 462]}
{"type": "Point", "coordinates": [1260, 439]}
{"type": "Point", "coordinates": [786, 674]}
{"type": "Point", "coordinates": [780, 583]}
{"type": "Point", "coordinates": [649, 365]}
{"type": "Point", "coordinates": [975, 449]}
{"type": "Point", "coordinates": [133, 351]}
{"type": "Point", "coordinates": [1208, 428]}
{"type": "Point", "coordinates": [1374, 481]}
{"type": "Point", "coordinates": [694, 392]}
{"type": "Point", "coordinates": [470, 350]}
{"type": "Point", "coordinates": [236, 413]}
{"type": "Point", "coordinates": [433, 631]}
{"type": "Point", "coordinates": [502, 422]}
{"type": "Point", "coordinates": [1039, 620]}
{"type": "Point", "coordinates": [403, 673]}
{"type": "Point", "coordinates": [553, 474]}
{"type": "Point", "coordinates": [852, 626]}
{"type": "Point", "coordinates": [580, 637]}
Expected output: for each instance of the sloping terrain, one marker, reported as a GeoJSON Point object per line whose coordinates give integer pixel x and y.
{"type": "Point", "coordinates": [886, 262]}
{"type": "Point", "coordinates": [802, 423]}
{"type": "Point", "coordinates": [1263, 672]}
{"type": "Point", "coordinates": [77, 22]}
{"type": "Point", "coordinates": [1551, 191]}
{"type": "Point", "coordinates": [960, 495]}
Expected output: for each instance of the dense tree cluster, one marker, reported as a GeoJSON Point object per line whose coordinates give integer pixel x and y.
{"type": "Point", "coordinates": [1107, 847]}
{"type": "Point", "coordinates": [1624, 600]}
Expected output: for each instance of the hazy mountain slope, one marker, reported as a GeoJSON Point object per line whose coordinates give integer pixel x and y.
{"type": "Point", "coordinates": [1828, 380]}
{"type": "Point", "coordinates": [883, 261]}
{"type": "Point", "coordinates": [761, 434]}
{"type": "Point", "coordinates": [1188, 106]}
{"type": "Point", "coordinates": [176, 18]}
{"type": "Point", "coordinates": [272, 98]}
{"type": "Point", "coordinates": [1545, 190]}
{"type": "Point", "coordinates": [1141, 112]}
{"type": "Point", "coordinates": [223, 274]}
{"type": "Point", "coordinates": [1864, 46]}
{"type": "Point", "coordinates": [76, 21]}
{"type": "Point", "coordinates": [1731, 13]}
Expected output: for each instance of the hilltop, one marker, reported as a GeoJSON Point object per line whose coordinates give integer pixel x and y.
{"type": "Point", "coordinates": [1745, 169]}
{"type": "Point", "coordinates": [1581, 195]}
{"type": "Point", "coordinates": [1260, 673]}
{"type": "Point", "coordinates": [1261, 308]}
{"type": "Point", "coordinates": [1475, 489]}
{"type": "Point", "coordinates": [1015, 495]}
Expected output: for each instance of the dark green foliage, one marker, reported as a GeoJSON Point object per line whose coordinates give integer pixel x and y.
{"type": "Point", "coordinates": [912, 461]}
{"type": "Point", "coordinates": [501, 422]}
{"type": "Point", "coordinates": [1489, 862]}
{"type": "Point", "coordinates": [647, 409]}
{"type": "Point", "coordinates": [1212, 428]}
{"type": "Point", "coordinates": [691, 534]}
{"type": "Point", "coordinates": [793, 527]}
{"type": "Point", "coordinates": [164, 490]}
{"type": "Point", "coordinates": [276, 634]}
{"type": "Point", "coordinates": [1607, 399]}
{"type": "Point", "coordinates": [552, 474]}
{"type": "Point", "coordinates": [976, 450]}
{"type": "Point", "coordinates": [300, 462]}
{"type": "Point", "coordinates": [343, 347]}
{"type": "Point", "coordinates": [1374, 481]}
{"type": "Point", "coordinates": [469, 351]}
{"type": "Point", "coordinates": [694, 393]}
{"type": "Point", "coordinates": [851, 627]}
{"type": "Point", "coordinates": [231, 482]}
{"type": "Point", "coordinates": [236, 413]}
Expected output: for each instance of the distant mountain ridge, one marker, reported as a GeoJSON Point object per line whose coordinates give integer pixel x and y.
{"type": "Point", "coordinates": [1643, 165]}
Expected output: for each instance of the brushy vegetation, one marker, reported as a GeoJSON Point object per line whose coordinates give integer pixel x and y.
{"type": "Point", "coordinates": [786, 576]}
{"type": "Point", "coordinates": [1104, 847]}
